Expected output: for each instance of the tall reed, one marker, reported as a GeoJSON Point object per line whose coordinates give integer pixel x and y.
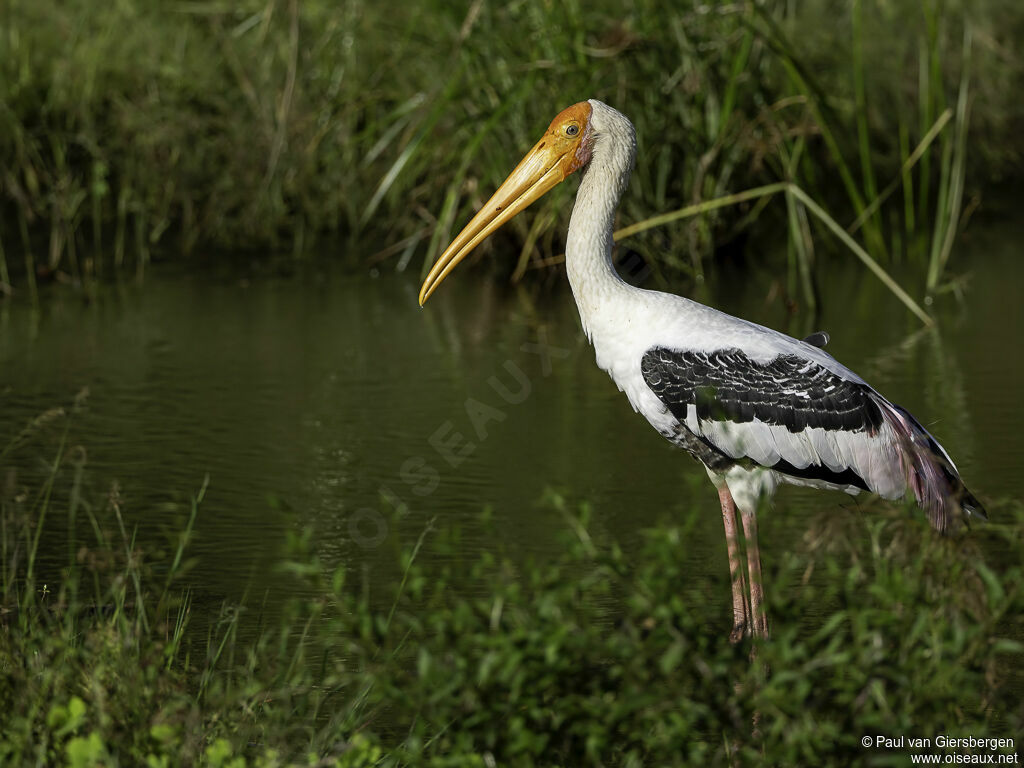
{"type": "Point", "coordinates": [273, 124]}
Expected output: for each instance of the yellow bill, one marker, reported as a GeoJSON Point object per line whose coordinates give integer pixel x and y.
{"type": "Point", "coordinates": [563, 149]}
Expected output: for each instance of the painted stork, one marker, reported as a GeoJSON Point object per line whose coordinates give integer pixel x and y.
{"type": "Point", "coordinates": [756, 407]}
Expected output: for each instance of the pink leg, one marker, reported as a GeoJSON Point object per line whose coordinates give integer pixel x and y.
{"type": "Point", "coordinates": [758, 617]}
{"type": "Point", "coordinates": [740, 611]}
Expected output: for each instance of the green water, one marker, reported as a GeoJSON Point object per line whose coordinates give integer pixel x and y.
{"type": "Point", "coordinates": [334, 401]}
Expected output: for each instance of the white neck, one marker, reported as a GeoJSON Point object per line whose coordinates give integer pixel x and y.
{"type": "Point", "coordinates": [588, 247]}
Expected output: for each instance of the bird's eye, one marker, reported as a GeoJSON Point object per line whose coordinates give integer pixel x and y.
{"type": "Point", "coordinates": [572, 129]}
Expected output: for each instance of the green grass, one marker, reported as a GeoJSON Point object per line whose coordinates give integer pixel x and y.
{"type": "Point", "coordinates": [879, 627]}
{"type": "Point", "coordinates": [375, 130]}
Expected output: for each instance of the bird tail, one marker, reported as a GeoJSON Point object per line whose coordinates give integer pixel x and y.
{"type": "Point", "coordinates": [930, 473]}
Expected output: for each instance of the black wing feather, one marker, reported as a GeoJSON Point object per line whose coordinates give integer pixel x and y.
{"type": "Point", "coordinates": [790, 391]}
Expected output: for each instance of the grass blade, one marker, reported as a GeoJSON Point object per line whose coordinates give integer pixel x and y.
{"type": "Point", "coordinates": [958, 172]}
{"type": "Point", "coordinates": [861, 254]}
{"type": "Point", "coordinates": [905, 175]}
{"type": "Point", "coordinates": [810, 205]}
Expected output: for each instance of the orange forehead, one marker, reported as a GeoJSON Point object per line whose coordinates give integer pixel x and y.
{"type": "Point", "coordinates": [577, 112]}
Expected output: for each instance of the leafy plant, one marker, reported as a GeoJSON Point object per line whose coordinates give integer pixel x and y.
{"type": "Point", "coordinates": [593, 656]}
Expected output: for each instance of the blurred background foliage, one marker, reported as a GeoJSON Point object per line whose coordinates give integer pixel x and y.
{"type": "Point", "coordinates": [372, 130]}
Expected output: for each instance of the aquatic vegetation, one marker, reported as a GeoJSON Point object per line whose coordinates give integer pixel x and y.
{"type": "Point", "coordinates": [880, 628]}
{"type": "Point", "coordinates": [139, 127]}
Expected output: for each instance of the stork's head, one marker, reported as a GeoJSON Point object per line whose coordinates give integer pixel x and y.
{"type": "Point", "coordinates": [565, 147]}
